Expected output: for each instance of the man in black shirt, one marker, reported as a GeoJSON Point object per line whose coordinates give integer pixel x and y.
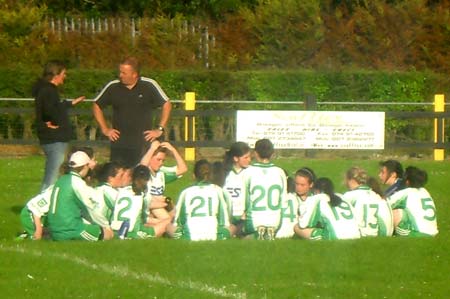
{"type": "Point", "coordinates": [133, 99]}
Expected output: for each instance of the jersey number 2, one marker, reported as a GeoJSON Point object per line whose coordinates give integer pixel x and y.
{"type": "Point", "coordinates": [199, 203]}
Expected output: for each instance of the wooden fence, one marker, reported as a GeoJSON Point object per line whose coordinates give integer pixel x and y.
{"type": "Point", "coordinates": [133, 27]}
{"type": "Point", "coordinates": [215, 124]}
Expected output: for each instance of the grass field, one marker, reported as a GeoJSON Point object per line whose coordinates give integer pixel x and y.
{"type": "Point", "coordinates": [162, 268]}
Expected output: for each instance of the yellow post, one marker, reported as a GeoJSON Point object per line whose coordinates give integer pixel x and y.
{"type": "Point", "coordinates": [439, 106]}
{"type": "Point", "coordinates": [189, 101]}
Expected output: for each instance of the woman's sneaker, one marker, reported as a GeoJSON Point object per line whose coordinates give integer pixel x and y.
{"type": "Point", "coordinates": [21, 236]}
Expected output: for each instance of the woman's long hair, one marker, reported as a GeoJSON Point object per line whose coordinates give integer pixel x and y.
{"type": "Point", "coordinates": [52, 69]}
{"type": "Point", "coordinates": [202, 170]}
{"type": "Point", "coordinates": [325, 185]}
{"type": "Point", "coordinates": [415, 177]}
{"type": "Point", "coordinates": [237, 149]}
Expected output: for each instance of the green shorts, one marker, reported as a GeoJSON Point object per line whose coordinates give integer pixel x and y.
{"type": "Point", "coordinates": [88, 232]}
{"type": "Point", "coordinates": [27, 221]}
{"type": "Point", "coordinates": [144, 232]}
{"type": "Point", "coordinates": [249, 230]}
{"type": "Point", "coordinates": [236, 220]}
{"type": "Point", "coordinates": [404, 226]}
{"type": "Point", "coordinates": [223, 233]}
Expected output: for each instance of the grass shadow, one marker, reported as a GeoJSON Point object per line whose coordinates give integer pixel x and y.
{"type": "Point", "coordinates": [16, 209]}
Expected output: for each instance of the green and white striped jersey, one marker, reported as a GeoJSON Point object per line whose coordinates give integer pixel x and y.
{"type": "Point", "coordinates": [201, 212]}
{"type": "Point", "coordinates": [419, 211]}
{"type": "Point", "coordinates": [373, 214]}
{"type": "Point", "coordinates": [72, 200]}
{"type": "Point", "coordinates": [336, 222]}
{"type": "Point", "coordinates": [265, 190]}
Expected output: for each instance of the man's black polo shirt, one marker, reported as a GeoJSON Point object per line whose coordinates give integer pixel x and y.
{"type": "Point", "coordinates": [132, 109]}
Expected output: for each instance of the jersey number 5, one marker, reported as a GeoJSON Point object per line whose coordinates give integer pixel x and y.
{"type": "Point", "coordinates": [427, 204]}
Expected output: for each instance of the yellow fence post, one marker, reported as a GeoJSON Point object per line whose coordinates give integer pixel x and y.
{"type": "Point", "coordinates": [189, 125]}
{"type": "Point", "coordinates": [439, 106]}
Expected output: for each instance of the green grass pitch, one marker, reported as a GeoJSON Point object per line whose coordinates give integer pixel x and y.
{"type": "Point", "coordinates": [163, 268]}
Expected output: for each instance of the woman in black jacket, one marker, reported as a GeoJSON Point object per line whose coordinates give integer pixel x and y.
{"type": "Point", "coordinates": [52, 119]}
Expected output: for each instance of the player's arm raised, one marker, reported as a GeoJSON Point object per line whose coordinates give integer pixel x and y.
{"type": "Point", "coordinates": [181, 164]}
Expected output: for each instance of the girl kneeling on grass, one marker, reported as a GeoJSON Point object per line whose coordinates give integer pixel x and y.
{"type": "Point", "coordinates": [413, 207]}
{"type": "Point", "coordinates": [73, 203]}
{"type": "Point", "coordinates": [326, 216]}
{"type": "Point", "coordinates": [34, 215]}
{"type": "Point", "coordinates": [201, 210]}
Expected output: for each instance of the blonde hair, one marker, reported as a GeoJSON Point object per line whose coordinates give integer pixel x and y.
{"type": "Point", "coordinates": [358, 174]}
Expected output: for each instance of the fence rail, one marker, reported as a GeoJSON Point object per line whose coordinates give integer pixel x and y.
{"type": "Point", "coordinates": [217, 127]}
{"type": "Point", "coordinates": [299, 102]}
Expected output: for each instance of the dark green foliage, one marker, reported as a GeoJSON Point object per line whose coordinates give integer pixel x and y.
{"type": "Point", "coordinates": [210, 8]}
{"type": "Point", "coordinates": [326, 86]}
{"type": "Point", "coordinates": [255, 88]}
{"type": "Point", "coordinates": [232, 34]}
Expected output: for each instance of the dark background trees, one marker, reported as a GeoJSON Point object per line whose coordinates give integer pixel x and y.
{"type": "Point", "coordinates": [230, 34]}
{"type": "Point", "coordinates": [140, 8]}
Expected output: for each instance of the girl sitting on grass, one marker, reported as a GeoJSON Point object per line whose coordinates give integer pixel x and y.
{"type": "Point", "coordinates": [413, 207]}
{"type": "Point", "coordinates": [201, 210]}
{"type": "Point", "coordinates": [326, 215]}
{"type": "Point", "coordinates": [131, 206]}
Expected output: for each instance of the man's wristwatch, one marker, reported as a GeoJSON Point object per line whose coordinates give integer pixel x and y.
{"type": "Point", "coordinates": [161, 128]}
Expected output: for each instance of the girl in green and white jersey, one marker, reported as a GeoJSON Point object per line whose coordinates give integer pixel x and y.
{"type": "Point", "coordinates": [326, 216]}
{"type": "Point", "coordinates": [110, 176]}
{"type": "Point", "coordinates": [265, 190]}
{"type": "Point", "coordinates": [132, 205]}
{"type": "Point", "coordinates": [201, 210]}
{"type": "Point", "coordinates": [303, 183]}
{"type": "Point", "coordinates": [160, 175]}
{"type": "Point", "coordinates": [72, 213]}
{"type": "Point", "coordinates": [33, 216]}
{"type": "Point", "coordinates": [237, 158]}
{"type": "Point", "coordinates": [373, 214]}
{"type": "Point", "coordinates": [414, 209]}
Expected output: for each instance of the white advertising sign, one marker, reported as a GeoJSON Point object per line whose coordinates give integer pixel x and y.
{"type": "Point", "coordinates": [312, 129]}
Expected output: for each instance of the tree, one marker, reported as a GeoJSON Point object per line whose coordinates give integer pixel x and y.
{"type": "Point", "coordinates": [206, 8]}
{"type": "Point", "coordinates": [287, 32]}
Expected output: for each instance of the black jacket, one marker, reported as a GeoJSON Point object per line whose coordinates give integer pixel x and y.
{"type": "Point", "coordinates": [49, 107]}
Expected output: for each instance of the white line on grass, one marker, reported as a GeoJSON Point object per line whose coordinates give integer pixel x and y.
{"type": "Point", "coordinates": [126, 273]}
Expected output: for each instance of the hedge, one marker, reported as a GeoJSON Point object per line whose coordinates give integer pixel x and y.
{"type": "Point", "coordinates": [254, 87]}
{"type": "Point", "coordinates": [273, 85]}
